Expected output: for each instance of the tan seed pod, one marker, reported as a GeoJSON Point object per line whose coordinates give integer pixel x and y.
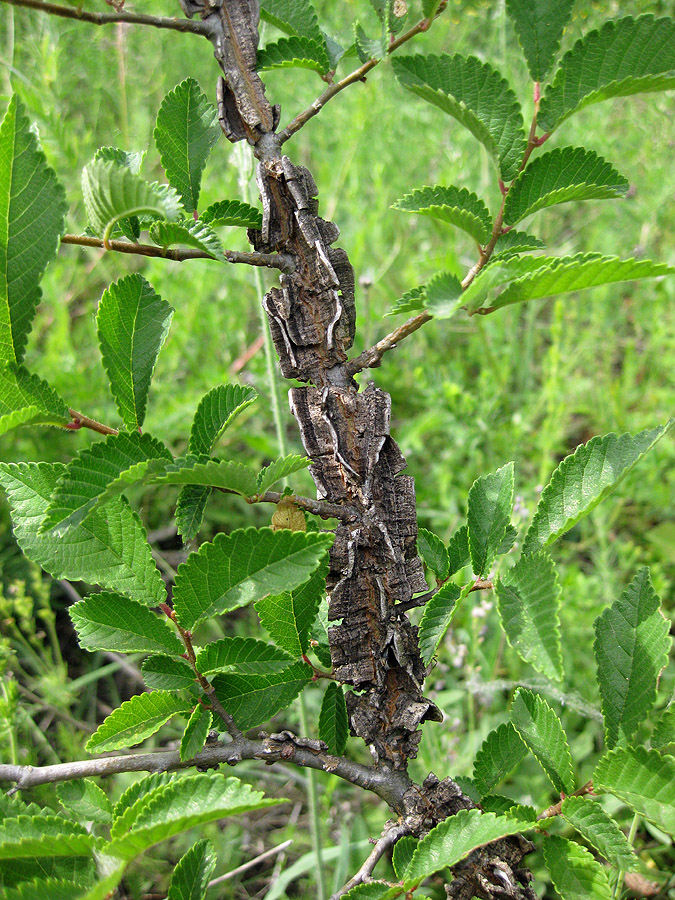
{"type": "Point", "coordinates": [400, 8]}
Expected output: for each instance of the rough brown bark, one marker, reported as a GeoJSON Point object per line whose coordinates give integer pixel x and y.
{"type": "Point", "coordinates": [374, 565]}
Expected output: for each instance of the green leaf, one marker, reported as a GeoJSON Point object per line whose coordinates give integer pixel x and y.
{"type": "Point", "coordinates": [402, 854]}
{"type": "Point", "coordinates": [320, 644]}
{"type": "Point", "coordinates": [562, 276]}
{"type": "Point", "coordinates": [246, 656]}
{"type": "Point", "coordinates": [280, 468]}
{"type": "Point", "coordinates": [600, 830]}
{"type": "Point", "coordinates": [32, 219]}
{"type": "Point", "coordinates": [373, 890]}
{"type": "Point", "coordinates": [455, 838]}
{"type": "Point", "coordinates": [113, 192]}
{"type": "Point", "coordinates": [78, 870]}
{"type": "Point", "coordinates": [100, 472]}
{"type": "Point", "coordinates": [585, 478]}
{"type": "Point", "coordinates": [232, 212]}
{"type": "Point", "coordinates": [194, 234]}
{"type": "Point", "coordinates": [457, 206]}
{"type": "Point", "coordinates": [253, 699]}
{"type": "Point", "coordinates": [458, 550]}
{"type": "Point", "coordinates": [574, 872]}
{"type": "Point", "coordinates": [164, 673]}
{"type": "Point", "coordinates": [109, 549]}
{"type": "Point", "coordinates": [292, 16]}
{"type": "Point", "coordinates": [664, 730]}
{"type": "Point", "coordinates": [496, 803]}
{"type": "Point", "coordinates": [132, 160]}
{"type": "Point", "coordinates": [333, 721]}
{"type": "Point", "coordinates": [46, 889]}
{"type": "Point", "coordinates": [135, 720]}
{"type": "Point", "coordinates": [126, 806]}
{"type": "Point", "coordinates": [476, 95]}
{"type": "Point", "coordinates": [490, 504]}
{"type": "Point", "coordinates": [501, 271]}
{"type": "Point", "coordinates": [190, 878]}
{"type": "Point", "coordinates": [196, 732]}
{"type": "Point", "coordinates": [86, 800]}
{"type": "Point", "coordinates": [528, 599]}
{"type": "Point", "coordinates": [443, 295]}
{"type": "Point", "coordinates": [37, 836]}
{"type": "Point", "coordinates": [190, 507]}
{"type": "Point", "coordinates": [187, 128]}
{"type": "Point", "coordinates": [624, 57]}
{"type": "Point", "coordinates": [643, 779]}
{"type": "Point", "coordinates": [540, 729]}
{"type": "Point", "coordinates": [133, 322]}
{"type": "Point", "coordinates": [631, 650]}
{"type": "Point", "coordinates": [411, 301]}
{"type": "Point", "coordinates": [288, 617]}
{"type": "Point", "coordinates": [513, 242]}
{"type": "Point", "coordinates": [108, 621]}
{"type": "Point", "coordinates": [501, 751]}
{"type": "Point", "coordinates": [436, 619]}
{"type": "Point", "coordinates": [369, 48]}
{"type": "Point", "coordinates": [432, 550]}
{"type": "Point", "coordinates": [540, 25]}
{"type": "Point", "coordinates": [131, 227]}
{"type": "Point", "coordinates": [570, 173]}
{"type": "Point", "coordinates": [232, 477]}
{"type": "Point", "coordinates": [27, 399]}
{"type": "Point", "coordinates": [181, 804]}
{"type": "Point", "coordinates": [216, 412]}
{"type": "Point", "coordinates": [243, 567]}
{"type": "Point", "coordinates": [509, 539]}
{"type": "Point", "coordinates": [294, 52]}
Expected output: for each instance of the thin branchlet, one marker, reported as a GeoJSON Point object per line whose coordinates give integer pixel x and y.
{"type": "Point", "coordinates": [109, 18]}
{"type": "Point", "coordinates": [280, 261]}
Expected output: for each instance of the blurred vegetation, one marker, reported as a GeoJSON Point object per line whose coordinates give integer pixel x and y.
{"type": "Point", "coordinates": [529, 383]}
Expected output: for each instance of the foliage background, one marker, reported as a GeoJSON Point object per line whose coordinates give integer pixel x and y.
{"type": "Point", "coordinates": [529, 383]}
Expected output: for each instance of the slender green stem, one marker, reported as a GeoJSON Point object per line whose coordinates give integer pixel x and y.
{"type": "Point", "coordinates": [618, 887]}
{"type": "Point", "coordinates": [314, 818]}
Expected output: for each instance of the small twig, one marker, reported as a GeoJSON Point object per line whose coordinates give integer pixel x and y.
{"type": "Point", "coordinates": [99, 18]}
{"type": "Point", "coordinates": [281, 261]}
{"type": "Point", "coordinates": [82, 421]}
{"type": "Point", "coordinates": [357, 75]}
{"type": "Point", "coordinates": [388, 839]}
{"type": "Point", "coordinates": [481, 584]}
{"type": "Point", "coordinates": [251, 864]}
{"type": "Point", "coordinates": [316, 507]}
{"type": "Point", "coordinates": [372, 357]}
{"type": "Point", "coordinates": [205, 684]}
{"type": "Point", "coordinates": [556, 808]}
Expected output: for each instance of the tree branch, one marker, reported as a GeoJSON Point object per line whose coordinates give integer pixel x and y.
{"type": "Point", "coordinates": [357, 75]}
{"type": "Point", "coordinates": [98, 18]}
{"type": "Point", "coordinates": [316, 507]}
{"type": "Point", "coordinates": [371, 358]}
{"type": "Point", "coordinates": [82, 421]}
{"type": "Point", "coordinates": [389, 785]}
{"type": "Point", "coordinates": [270, 260]}
{"type": "Point", "coordinates": [388, 839]}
